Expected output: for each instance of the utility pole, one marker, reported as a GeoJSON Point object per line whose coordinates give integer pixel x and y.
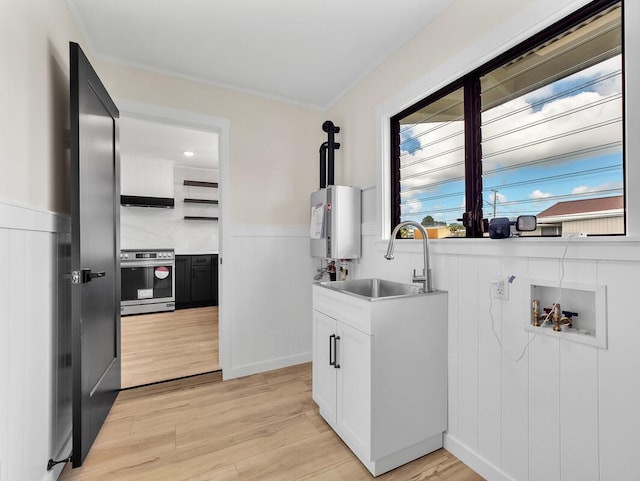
{"type": "Point", "coordinates": [495, 194]}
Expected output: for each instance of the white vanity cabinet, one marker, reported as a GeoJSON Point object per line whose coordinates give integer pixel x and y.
{"type": "Point", "coordinates": [342, 375]}
{"type": "Point", "coordinates": [379, 373]}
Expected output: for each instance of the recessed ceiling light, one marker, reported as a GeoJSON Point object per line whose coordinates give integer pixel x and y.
{"type": "Point", "coordinates": [188, 153]}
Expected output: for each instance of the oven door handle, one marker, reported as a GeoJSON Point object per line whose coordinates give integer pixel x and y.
{"type": "Point", "coordinates": [125, 265]}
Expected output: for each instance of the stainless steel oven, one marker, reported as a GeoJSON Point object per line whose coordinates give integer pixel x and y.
{"type": "Point", "coordinates": [147, 277]}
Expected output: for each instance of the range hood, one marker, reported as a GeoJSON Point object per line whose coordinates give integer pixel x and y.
{"type": "Point", "coordinates": [146, 183]}
{"type": "Point", "coordinates": [143, 201]}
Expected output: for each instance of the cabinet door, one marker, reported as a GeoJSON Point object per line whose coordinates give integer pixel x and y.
{"type": "Point", "coordinates": [183, 279]}
{"type": "Point", "coordinates": [324, 374]}
{"type": "Point", "coordinates": [354, 389]}
{"type": "Point", "coordinates": [214, 279]}
{"type": "Point", "coordinates": [200, 278]}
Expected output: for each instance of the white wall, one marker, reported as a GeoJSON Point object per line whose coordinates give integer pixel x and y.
{"type": "Point", "coordinates": [273, 146]}
{"type": "Point", "coordinates": [150, 228]}
{"type": "Point", "coordinates": [566, 411]}
{"type": "Point", "coordinates": [34, 81]}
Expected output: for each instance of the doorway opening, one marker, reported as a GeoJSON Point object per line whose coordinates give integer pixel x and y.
{"type": "Point", "coordinates": [167, 159]}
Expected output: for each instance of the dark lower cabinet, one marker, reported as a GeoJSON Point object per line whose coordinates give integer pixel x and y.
{"type": "Point", "coordinates": [196, 281]}
{"type": "Point", "coordinates": [183, 280]}
{"type": "Point", "coordinates": [200, 278]}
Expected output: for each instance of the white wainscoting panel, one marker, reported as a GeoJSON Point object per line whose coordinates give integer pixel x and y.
{"type": "Point", "coordinates": [468, 296]}
{"type": "Point", "coordinates": [566, 411]}
{"type": "Point", "coordinates": [515, 375]}
{"type": "Point", "coordinates": [34, 425]}
{"type": "Point", "coordinates": [18, 349]}
{"type": "Point", "coordinates": [448, 280]}
{"type": "Point", "coordinates": [544, 409]}
{"type": "Point", "coordinates": [579, 453]}
{"type": "Point", "coordinates": [4, 353]}
{"type": "Point", "coordinates": [489, 364]}
{"type": "Point", "coordinates": [268, 317]}
{"type": "Point", "coordinates": [618, 372]}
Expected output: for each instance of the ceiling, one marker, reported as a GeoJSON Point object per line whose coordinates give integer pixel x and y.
{"type": "Point", "coordinates": [153, 140]}
{"type": "Point", "coordinates": [307, 52]}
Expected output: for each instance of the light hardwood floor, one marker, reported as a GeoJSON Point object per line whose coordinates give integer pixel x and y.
{"type": "Point", "coordinates": [263, 427]}
{"type": "Point", "coordinates": [169, 345]}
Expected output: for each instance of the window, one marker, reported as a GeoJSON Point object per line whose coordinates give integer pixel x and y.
{"type": "Point", "coordinates": [538, 130]}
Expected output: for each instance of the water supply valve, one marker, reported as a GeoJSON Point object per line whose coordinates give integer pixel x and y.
{"type": "Point", "coordinates": [331, 269]}
{"type": "Point", "coordinates": [344, 269]}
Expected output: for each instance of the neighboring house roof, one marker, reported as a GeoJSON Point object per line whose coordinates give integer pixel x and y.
{"type": "Point", "coordinates": [584, 209]}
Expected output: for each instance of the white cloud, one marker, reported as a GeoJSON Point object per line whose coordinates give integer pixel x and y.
{"type": "Point", "coordinates": [411, 207]}
{"type": "Point", "coordinates": [547, 131]}
{"type": "Point", "coordinates": [539, 94]}
{"type": "Point", "coordinates": [538, 194]}
{"type": "Point", "coordinates": [606, 186]}
{"type": "Point", "coordinates": [603, 69]}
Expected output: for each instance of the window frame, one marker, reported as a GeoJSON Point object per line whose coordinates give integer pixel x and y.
{"type": "Point", "coordinates": [473, 215]}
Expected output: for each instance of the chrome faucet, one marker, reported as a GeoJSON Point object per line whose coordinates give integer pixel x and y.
{"type": "Point", "coordinates": [425, 278]}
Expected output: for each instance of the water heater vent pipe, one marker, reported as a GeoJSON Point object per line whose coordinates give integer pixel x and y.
{"type": "Point", "coordinates": [331, 147]}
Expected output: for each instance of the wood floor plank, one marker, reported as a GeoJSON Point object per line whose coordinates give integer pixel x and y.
{"type": "Point", "coordinates": [169, 345]}
{"type": "Point", "coordinates": [294, 461]}
{"type": "Point", "coordinates": [348, 470]}
{"type": "Point", "coordinates": [263, 427]}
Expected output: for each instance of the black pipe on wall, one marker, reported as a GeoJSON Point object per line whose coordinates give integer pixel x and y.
{"type": "Point", "coordinates": [323, 165]}
{"type": "Point", "coordinates": [332, 146]}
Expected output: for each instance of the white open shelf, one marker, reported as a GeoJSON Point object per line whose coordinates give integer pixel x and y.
{"type": "Point", "coordinates": [589, 301]}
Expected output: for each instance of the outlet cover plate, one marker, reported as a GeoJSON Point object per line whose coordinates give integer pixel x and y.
{"type": "Point", "coordinates": [500, 289]}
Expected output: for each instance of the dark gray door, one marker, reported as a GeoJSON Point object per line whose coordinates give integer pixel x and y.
{"type": "Point", "coordinates": [95, 244]}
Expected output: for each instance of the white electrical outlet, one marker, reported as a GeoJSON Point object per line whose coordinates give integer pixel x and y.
{"type": "Point", "coordinates": [500, 289]}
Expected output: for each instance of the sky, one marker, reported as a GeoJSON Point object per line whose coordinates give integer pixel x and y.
{"type": "Point", "coordinates": [575, 123]}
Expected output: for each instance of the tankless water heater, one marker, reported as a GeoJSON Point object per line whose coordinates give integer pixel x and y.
{"type": "Point", "coordinates": [335, 222]}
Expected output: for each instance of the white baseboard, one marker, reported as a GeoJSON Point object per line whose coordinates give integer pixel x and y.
{"type": "Point", "coordinates": [472, 459]}
{"type": "Point", "coordinates": [249, 369]}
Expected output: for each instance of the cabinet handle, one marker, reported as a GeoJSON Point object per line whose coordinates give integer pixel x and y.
{"type": "Point", "coordinates": [332, 345]}
{"type": "Point", "coordinates": [335, 353]}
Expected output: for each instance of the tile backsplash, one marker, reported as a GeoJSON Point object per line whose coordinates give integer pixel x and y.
{"type": "Point", "coordinates": [149, 228]}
